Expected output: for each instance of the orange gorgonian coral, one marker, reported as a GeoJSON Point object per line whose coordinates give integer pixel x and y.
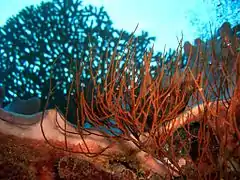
{"type": "Point", "coordinates": [189, 112]}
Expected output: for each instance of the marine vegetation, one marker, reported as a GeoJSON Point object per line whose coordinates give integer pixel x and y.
{"type": "Point", "coordinates": [173, 111]}
{"type": "Point", "coordinates": [180, 108]}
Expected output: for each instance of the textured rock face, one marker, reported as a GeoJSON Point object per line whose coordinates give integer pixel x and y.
{"type": "Point", "coordinates": [27, 130]}
{"type": "Point", "coordinates": [33, 159]}
{"type": "Point", "coordinates": [30, 160]}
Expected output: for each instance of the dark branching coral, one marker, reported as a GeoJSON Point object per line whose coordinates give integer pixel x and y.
{"type": "Point", "coordinates": [61, 30]}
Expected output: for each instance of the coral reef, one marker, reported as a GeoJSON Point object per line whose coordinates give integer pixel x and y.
{"type": "Point", "coordinates": [173, 145]}
{"type": "Point", "coordinates": [30, 159]}
{"type": "Point", "coordinates": [67, 31]}
{"type": "Point", "coordinates": [10, 170]}
{"type": "Point", "coordinates": [179, 118]}
{"type": "Point", "coordinates": [75, 168]}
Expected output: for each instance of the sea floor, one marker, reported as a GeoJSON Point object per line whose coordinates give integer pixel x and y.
{"type": "Point", "coordinates": [23, 159]}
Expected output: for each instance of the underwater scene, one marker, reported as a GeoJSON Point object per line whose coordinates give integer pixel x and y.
{"type": "Point", "coordinates": [119, 89]}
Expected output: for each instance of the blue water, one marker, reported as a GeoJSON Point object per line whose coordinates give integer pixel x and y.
{"type": "Point", "coordinates": [36, 36]}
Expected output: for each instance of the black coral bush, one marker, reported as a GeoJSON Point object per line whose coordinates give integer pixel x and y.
{"type": "Point", "coordinates": [57, 34]}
